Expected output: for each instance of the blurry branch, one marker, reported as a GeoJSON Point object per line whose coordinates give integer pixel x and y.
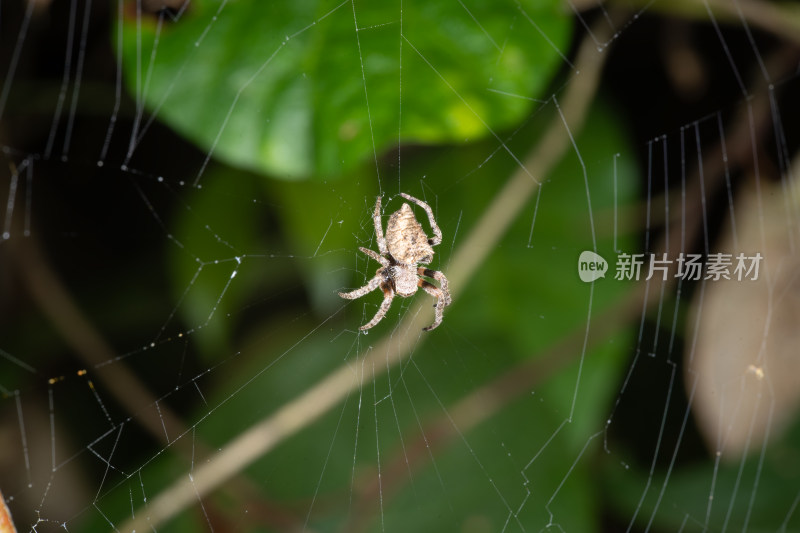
{"type": "Point", "coordinates": [58, 305]}
{"type": "Point", "coordinates": [91, 348]}
{"type": "Point", "coordinates": [779, 18]}
{"type": "Point", "coordinates": [782, 19]}
{"type": "Point", "coordinates": [397, 346]}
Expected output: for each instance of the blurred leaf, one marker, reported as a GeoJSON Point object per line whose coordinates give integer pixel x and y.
{"type": "Point", "coordinates": [268, 95]}
{"type": "Point", "coordinates": [744, 354]}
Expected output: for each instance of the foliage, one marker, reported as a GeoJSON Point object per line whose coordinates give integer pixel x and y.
{"type": "Point", "coordinates": [273, 94]}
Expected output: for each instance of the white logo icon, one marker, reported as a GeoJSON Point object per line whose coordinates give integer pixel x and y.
{"type": "Point", "coordinates": [591, 266]}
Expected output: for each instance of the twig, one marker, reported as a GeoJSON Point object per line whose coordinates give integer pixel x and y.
{"type": "Point", "coordinates": [779, 18]}
{"type": "Point", "coordinates": [68, 319]}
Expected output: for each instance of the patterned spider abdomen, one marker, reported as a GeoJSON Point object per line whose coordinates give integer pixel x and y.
{"type": "Point", "coordinates": [405, 238]}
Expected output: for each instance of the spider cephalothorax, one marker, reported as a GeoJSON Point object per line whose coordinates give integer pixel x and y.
{"type": "Point", "coordinates": [405, 246]}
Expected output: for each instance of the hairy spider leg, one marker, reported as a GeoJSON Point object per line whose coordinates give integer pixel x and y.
{"type": "Point", "coordinates": [375, 256]}
{"type": "Point", "coordinates": [388, 295]}
{"type": "Point", "coordinates": [437, 233]}
{"type": "Point", "coordinates": [358, 293]}
{"type": "Point", "coordinates": [437, 293]}
{"type": "Point", "coordinates": [376, 219]}
{"type": "Point", "coordinates": [438, 276]}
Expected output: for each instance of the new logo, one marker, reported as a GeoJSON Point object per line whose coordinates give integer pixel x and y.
{"type": "Point", "coordinates": [591, 266]}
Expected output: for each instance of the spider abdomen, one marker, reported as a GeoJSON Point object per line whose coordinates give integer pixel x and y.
{"type": "Point", "coordinates": [405, 238]}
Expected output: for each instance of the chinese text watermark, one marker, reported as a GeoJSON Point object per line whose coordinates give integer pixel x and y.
{"type": "Point", "coordinates": [690, 267]}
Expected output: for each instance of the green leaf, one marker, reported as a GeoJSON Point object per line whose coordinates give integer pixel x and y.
{"type": "Point", "coordinates": [292, 89]}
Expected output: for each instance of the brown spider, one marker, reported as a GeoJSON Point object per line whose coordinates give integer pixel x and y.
{"type": "Point", "coordinates": [406, 245]}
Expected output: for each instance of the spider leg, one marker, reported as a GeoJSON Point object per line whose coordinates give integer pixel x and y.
{"type": "Point", "coordinates": [438, 276]}
{"type": "Point", "coordinates": [382, 260]}
{"type": "Point", "coordinates": [388, 295]}
{"type": "Point", "coordinates": [437, 293]}
{"type": "Point", "coordinates": [369, 287]}
{"type": "Point", "coordinates": [437, 233]}
{"type": "Point", "coordinates": [376, 219]}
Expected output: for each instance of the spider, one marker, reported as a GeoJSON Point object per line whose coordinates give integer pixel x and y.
{"type": "Point", "coordinates": [405, 246]}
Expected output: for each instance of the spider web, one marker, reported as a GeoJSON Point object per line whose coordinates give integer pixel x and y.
{"type": "Point", "coordinates": [173, 355]}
